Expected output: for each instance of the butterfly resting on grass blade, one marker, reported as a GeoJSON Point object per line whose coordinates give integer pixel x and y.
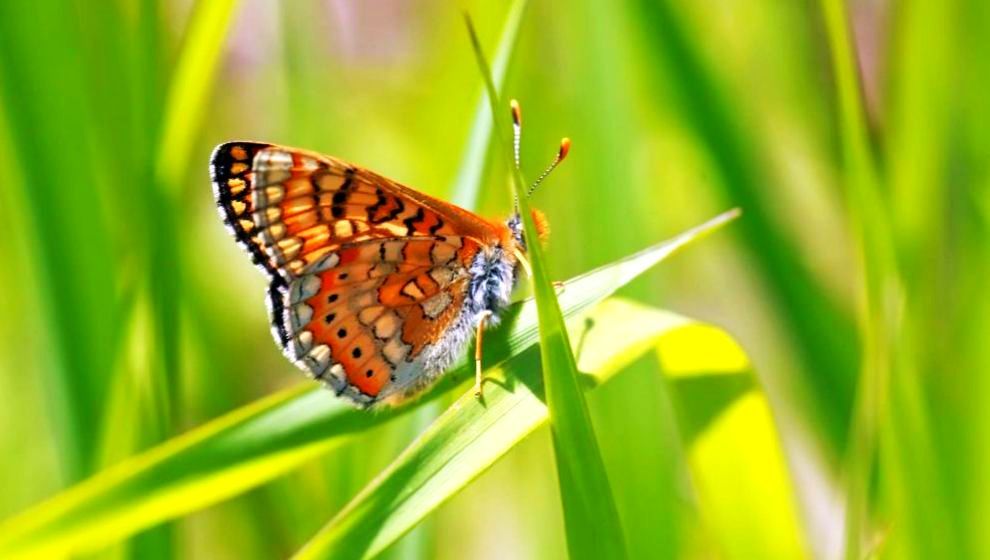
{"type": "Point", "coordinates": [375, 287]}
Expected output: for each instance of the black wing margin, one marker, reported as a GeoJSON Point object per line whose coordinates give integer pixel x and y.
{"type": "Point", "coordinates": [232, 173]}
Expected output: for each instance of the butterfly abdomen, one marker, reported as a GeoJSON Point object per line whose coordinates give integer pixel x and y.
{"type": "Point", "coordinates": [492, 279]}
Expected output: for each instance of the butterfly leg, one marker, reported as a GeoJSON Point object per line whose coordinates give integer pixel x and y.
{"type": "Point", "coordinates": [524, 262]}
{"type": "Point", "coordinates": [477, 352]}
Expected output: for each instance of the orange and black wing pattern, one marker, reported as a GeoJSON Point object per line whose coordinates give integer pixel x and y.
{"type": "Point", "coordinates": [366, 274]}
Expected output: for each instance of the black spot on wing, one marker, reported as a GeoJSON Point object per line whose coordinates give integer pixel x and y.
{"type": "Point", "coordinates": [340, 197]}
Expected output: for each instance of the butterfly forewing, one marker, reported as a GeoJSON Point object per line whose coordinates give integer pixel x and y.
{"type": "Point", "coordinates": [366, 273]}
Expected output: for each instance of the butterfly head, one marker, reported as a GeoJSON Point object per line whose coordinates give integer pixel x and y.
{"type": "Point", "coordinates": [539, 219]}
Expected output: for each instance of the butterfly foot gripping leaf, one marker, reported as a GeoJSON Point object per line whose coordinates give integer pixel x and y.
{"type": "Point", "coordinates": [375, 288]}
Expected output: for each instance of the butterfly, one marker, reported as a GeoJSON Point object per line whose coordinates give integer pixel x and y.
{"type": "Point", "coordinates": [375, 288]}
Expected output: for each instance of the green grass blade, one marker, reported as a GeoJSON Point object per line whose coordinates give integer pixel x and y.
{"type": "Point", "coordinates": [591, 517]}
{"type": "Point", "coordinates": [261, 441]}
{"type": "Point", "coordinates": [974, 249]}
{"type": "Point", "coordinates": [732, 448]}
{"type": "Point", "coordinates": [590, 514]}
{"type": "Point", "coordinates": [899, 236]}
{"type": "Point", "coordinates": [864, 204]}
{"type": "Point", "coordinates": [45, 92]}
{"type": "Point", "coordinates": [921, 465]}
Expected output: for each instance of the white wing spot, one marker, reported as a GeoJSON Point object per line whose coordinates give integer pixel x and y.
{"type": "Point", "coordinates": [395, 351]}
{"type": "Point", "coordinates": [386, 325]}
{"type": "Point", "coordinates": [272, 166]}
{"type": "Point", "coordinates": [324, 263]}
{"type": "Point", "coordinates": [304, 288]}
{"type": "Point", "coordinates": [300, 344]}
{"type": "Point", "coordinates": [436, 305]}
{"type": "Point", "coordinates": [317, 360]}
{"type": "Point", "coordinates": [300, 315]}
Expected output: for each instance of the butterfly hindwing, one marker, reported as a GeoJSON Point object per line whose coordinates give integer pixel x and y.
{"type": "Point", "coordinates": [363, 324]}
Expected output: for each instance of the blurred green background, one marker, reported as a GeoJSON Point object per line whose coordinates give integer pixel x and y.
{"type": "Point", "coordinates": [855, 137]}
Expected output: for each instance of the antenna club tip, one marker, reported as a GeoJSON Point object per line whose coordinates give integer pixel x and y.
{"type": "Point", "coordinates": [565, 147]}
{"type": "Point", "coordinates": [516, 112]}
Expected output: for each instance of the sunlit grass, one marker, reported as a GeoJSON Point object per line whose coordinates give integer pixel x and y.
{"type": "Point", "coordinates": [265, 439]}
{"type": "Point", "coordinates": [139, 388]}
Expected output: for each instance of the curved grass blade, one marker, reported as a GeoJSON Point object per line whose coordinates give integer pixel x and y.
{"type": "Point", "coordinates": [699, 360]}
{"type": "Point", "coordinates": [734, 455]}
{"type": "Point", "coordinates": [259, 442]}
{"type": "Point", "coordinates": [470, 436]}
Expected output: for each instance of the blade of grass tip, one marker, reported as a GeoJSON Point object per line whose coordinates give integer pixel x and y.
{"type": "Point", "coordinates": [467, 183]}
{"type": "Point", "coordinates": [261, 441]}
{"type": "Point", "coordinates": [591, 518]}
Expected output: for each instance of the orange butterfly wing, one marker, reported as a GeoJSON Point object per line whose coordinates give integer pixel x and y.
{"type": "Point", "coordinates": [365, 273]}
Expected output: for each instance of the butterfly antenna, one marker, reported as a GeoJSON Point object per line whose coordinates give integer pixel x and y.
{"type": "Point", "coordinates": [565, 147]}
{"type": "Point", "coordinates": [516, 136]}
{"type": "Point", "coordinates": [516, 129]}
